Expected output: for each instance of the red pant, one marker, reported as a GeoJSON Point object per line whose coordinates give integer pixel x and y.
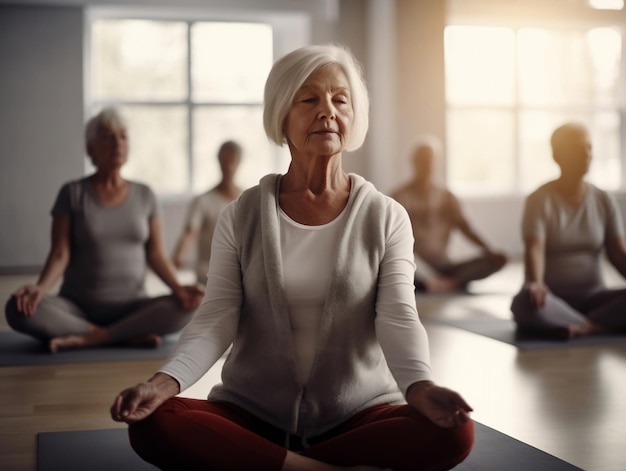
{"type": "Point", "coordinates": [187, 434]}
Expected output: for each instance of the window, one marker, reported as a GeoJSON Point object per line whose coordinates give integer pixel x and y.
{"type": "Point", "coordinates": [507, 89]}
{"type": "Point", "coordinates": [185, 87]}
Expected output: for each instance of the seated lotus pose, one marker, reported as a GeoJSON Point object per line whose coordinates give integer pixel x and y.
{"type": "Point", "coordinates": [435, 214]}
{"type": "Point", "coordinates": [311, 281]}
{"type": "Point", "coordinates": [567, 225]}
{"type": "Point", "coordinates": [204, 211]}
{"type": "Point", "coordinates": [105, 231]}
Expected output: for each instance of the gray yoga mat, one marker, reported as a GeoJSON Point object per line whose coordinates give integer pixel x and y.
{"type": "Point", "coordinates": [106, 450]}
{"type": "Point", "coordinates": [21, 350]}
{"type": "Point", "coordinates": [504, 330]}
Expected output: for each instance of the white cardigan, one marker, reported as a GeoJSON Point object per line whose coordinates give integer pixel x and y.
{"type": "Point", "coordinates": [245, 303]}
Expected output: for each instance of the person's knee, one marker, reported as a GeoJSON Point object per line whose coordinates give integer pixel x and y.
{"type": "Point", "coordinates": [152, 437]}
{"type": "Point", "coordinates": [147, 433]}
{"type": "Point", "coordinates": [499, 261]}
{"type": "Point", "coordinates": [461, 441]}
{"type": "Point", "coordinates": [14, 317]}
{"type": "Point", "coordinates": [444, 448]}
{"type": "Point", "coordinates": [521, 306]}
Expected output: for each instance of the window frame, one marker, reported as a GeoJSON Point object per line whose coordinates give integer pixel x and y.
{"type": "Point", "coordinates": [289, 30]}
{"type": "Point", "coordinates": [517, 109]}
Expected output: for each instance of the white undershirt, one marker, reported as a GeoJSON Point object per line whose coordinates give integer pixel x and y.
{"type": "Point", "coordinates": [214, 326]}
{"type": "Point", "coordinates": [306, 252]}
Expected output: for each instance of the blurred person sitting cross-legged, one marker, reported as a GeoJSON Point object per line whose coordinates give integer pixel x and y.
{"type": "Point", "coordinates": [106, 232]}
{"type": "Point", "coordinates": [568, 225]}
{"type": "Point", "coordinates": [435, 213]}
{"type": "Point", "coordinates": [205, 210]}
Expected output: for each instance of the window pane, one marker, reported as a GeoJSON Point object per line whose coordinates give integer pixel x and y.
{"type": "Point", "coordinates": [605, 48]}
{"type": "Point", "coordinates": [537, 165]}
{"type": "Point", "coordinates": [139, 60]}
{"type": "Point", "coordinates": [480, 151]}
{"type": "Point", "coordinates": [569, 68]}
{"type": "Point", "coordinates": [158, 147]}
{"type": "Point", "coordinates": [214, 125]}
{"type": "Point", "coordinates": [480, 65]}
{"type": "Point", "coordinates": [606, 168]}
{"type": "Point", "coordinates": [230, 61]}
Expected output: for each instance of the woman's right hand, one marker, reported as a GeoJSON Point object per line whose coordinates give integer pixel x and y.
{"type": "Point", "coordinates": [137, 403]}
{"type": "Point", "coordinates": [28, 298]}
{"type": "Point", "coordinates": [538, 292]}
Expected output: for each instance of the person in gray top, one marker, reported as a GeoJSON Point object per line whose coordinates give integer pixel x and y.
{"type": "Point", "coordinates": [105, 234]}
{"type": "Point", "coordinates": [567, 225]}
{"type": "Point", "coordinates": [311, 284]}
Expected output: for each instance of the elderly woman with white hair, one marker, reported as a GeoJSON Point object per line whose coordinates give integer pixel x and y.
{"type": "Point", "coordinates": [105, 232]}
{"type": "Point", "coordinates": [311, 281]}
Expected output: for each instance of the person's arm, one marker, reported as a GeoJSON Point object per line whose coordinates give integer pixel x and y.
{"type": "Point", "coordinates": [193, 221]}
{"type": "Point", "coordinates": [615, 241]}
{"type": "Point", "coordinates": [471, 235]}
{"type": "Point", "coordinates": [29, 296]}
{"type": "Point", "coordinates": [202, 342]}
{"type": "Point", "coordinates": [189, 296]}
{"type": "Point", "coordinates": [443, 406]}
{"type": "Point", "coordinates": [465, 227]}
{"type": "Point", "coordinates": [534, 269]}
{"type": "Point", "coordinates": [214, 326]}
{"type": "Point", "coordinates": [186, 240]}
{"type": "Point", "coordinates": [138, 402]}
{"type": "Point", "coordinates": [402, 336]}
{"type": "Point", "coordinates": [533, 228]}
{"type": "Point", "coordinates": [616, 253]}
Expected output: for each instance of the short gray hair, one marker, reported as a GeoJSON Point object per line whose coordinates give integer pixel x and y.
{"type": "Point", "coordinates": [108, 117]}
{"type": "Point", "coordinates": [291, 71]}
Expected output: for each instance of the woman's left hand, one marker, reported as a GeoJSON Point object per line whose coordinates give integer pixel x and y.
{"type": "Point", "coordinates": [189, 296]}
{"type": "Point", "coordinates": [443, 406]}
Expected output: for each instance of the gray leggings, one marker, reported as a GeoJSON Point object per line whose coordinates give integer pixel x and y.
{"type": "Point", "coordinates": [605, 308]}
{"type": "Point", "coordinates": [58, 316]}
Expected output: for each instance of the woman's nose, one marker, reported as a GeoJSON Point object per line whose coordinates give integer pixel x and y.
{"type": "Point", "coordinates": [326, 110]}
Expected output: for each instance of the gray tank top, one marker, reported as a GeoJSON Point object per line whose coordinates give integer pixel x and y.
{"type": "Point", "coordinates": [107, 252]}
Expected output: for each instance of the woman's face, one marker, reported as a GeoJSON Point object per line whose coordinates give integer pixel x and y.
{"type": "Point", "coordinates": [424, 163]}
{"type": "Point", "coordinates": [321, 116]}
{"type": "Point", "coordinates": [229, 160]}
{"type": "Point", "coordinates": [109, 149]}
{"type": "Point", "coordinates": [576, 155]}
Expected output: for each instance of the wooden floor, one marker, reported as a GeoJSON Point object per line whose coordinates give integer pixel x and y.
{"type": "Point", "coordinates": [570, 402]}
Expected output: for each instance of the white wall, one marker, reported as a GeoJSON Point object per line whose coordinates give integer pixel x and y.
{"type": "Point", "coordinates": [41, 123]}
{"type": "Point", "coordinates": [42, 102]}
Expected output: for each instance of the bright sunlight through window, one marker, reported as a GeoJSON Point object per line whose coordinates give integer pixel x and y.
{"type": "Point", "coordinates": [507, 89]}
{"type": "Point", "coordinates": [183, 93]}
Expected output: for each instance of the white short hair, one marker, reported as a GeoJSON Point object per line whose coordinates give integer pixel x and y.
{"type": "Point", "coordinates": [109, 117]}
{"type": "Point", "coordinates": [291, 71]}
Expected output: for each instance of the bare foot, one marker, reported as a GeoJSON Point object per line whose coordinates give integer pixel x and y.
{"type": "Point", "coordinates": [148, 341]}
{"type": "Point", "coordinates": [98, 336]}
{"type": "Point", "coordinates": [583, 330]}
